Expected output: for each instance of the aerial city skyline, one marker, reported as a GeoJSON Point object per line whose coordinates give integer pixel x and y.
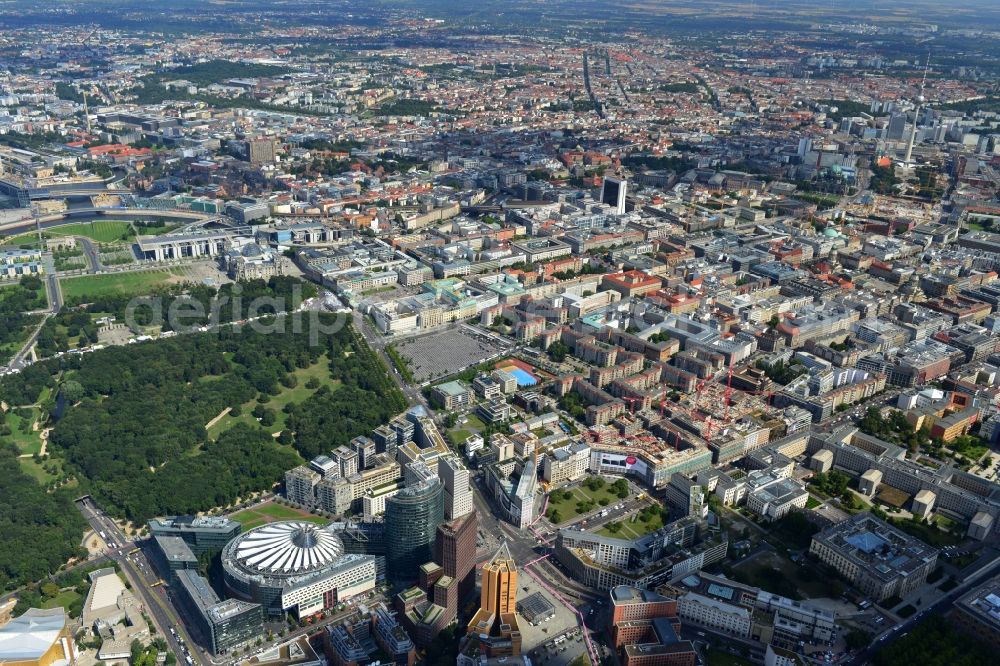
{"type": "Point", "coordinates": [524, 333]}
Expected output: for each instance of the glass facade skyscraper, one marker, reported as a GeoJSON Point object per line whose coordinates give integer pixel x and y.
{"type": "Point", "coordinates": [411, 519]}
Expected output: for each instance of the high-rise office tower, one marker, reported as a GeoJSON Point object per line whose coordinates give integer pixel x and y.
{"type": "Point", "coordinates": [896, 128]}
{"type": "Point", "coordinates": [457, 493]}
{"type": "Point", "coordinates": [365, 448]}
{"type": "Point", "coordinates": [495, 623]}
{"type": "Point", "coordinates": [456, 552]}
{"type": "Point", "coordinates": [613, 193]}
{"type": "Point", "coordinates": [262, 151]}
{"type": "Point", "coordinates": [347, 458]}
{"type": "Point", "coordinates": [411, 519]}
{"type": "Point", "coordinates": [300, 485]}
{"type": "Point", "coordinates": [499, 594]}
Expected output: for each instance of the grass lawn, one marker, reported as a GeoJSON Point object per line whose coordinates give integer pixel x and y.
{"type": "Point", "coordinates": [567, 507]}
{"type": "Point", "coordinates": [247, 516]}
{"type": "Point", "coordinates": [944, 522]}
{"type": "Point", "coordinates": [62, 600]}
{"type": "Point", "coordinates": [135, 283]}
{"type": "Point", "coordinates": [929, 534]}
{"type": "Point", "coordinates": [472, 425]}
{"type": "Point", "coordinates": [974, 453]}
{"type": "Point", "coordinates": [33, 469]}
{"type": "Point", "coordinates": [271, 512]}
{"type": "Point", "coordinates": [319, 371]}
{"type": "Point", "coordinates": [228, 421]}
{"type": "Point", "coordinates": [458, 436]}
{"type": "Point", "coordinates": [278, 511]}
{"type": "Point", "coordinates": [26, 240]}
{"type": "Point", "coordinates": [474, 422]}
{"type": "Point", "coordinates": [27, 440]}
{"type": "Point", "coordinates": [602, 493]}
{"type": "Point", "coordinates": [103, 231]}
{"type": "Point", "coordinates": [812, 502]}
{"type": "Point", "coordinates": [635, 525]}
{"type": "Point", "coordinates": [249, 522]}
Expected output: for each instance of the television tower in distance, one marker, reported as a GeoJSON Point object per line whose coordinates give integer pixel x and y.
{"type": "Point", "coordinates": [907, 160]}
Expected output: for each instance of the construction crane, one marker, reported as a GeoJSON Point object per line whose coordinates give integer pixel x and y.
{"type": "Point", "coordinates": [598, 435]}
{"type": "Point", "coordinates": [631, 403]}
{"type": "Point", "coordinates": [675, 431]}
{"type": "Point", "coordinates": [696, 413]}
{"type": "Point", "coordinates": [691, 414]}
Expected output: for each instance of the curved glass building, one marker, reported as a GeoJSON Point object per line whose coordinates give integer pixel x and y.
{"type": "Point", "coordinates": [411, 519]}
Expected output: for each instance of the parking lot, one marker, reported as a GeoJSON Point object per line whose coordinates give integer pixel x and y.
{"type": "Point", "coordinates": [446, 352]}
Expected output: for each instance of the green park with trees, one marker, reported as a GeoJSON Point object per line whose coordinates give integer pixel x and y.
{"type": "Point", "coordinates": [933, 641]}
{"type": "Point", "coordinates": [42, 530]}
{"type": "Point", "coordinates": [16, 302]}
{"type": "Point", "coordinates": [76, 325]}
{"type": "Point", "coordinates": [130, 428]}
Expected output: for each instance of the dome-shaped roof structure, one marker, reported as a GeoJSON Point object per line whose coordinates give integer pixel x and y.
{"type": "Point", "coordinates": [288, 548]}
{"type": "Point", "coordinates": [252, 250]}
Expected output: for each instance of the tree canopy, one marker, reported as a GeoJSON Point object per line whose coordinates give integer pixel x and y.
{"type": "Point", "coordinates": [15, 303]}
{"type": "Point", "coordinates": [209, 305]}
{"type": "Point", "coordinates": [41, 530]}
{"type": "Point", "coordinates": [136, 439]}
{"type": "Point", "coordinates": [933, 641]}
